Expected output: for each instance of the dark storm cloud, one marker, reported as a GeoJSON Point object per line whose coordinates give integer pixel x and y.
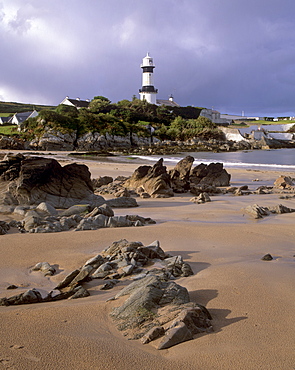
{"type": "Point", "coordinates": [232, 55]}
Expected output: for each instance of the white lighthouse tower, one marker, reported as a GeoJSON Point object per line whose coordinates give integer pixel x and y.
{"type": "Point", "coordinates": [148, 91]}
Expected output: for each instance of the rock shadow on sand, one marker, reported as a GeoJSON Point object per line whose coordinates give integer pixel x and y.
{"type": "Point", "coordinates": [219, 316]}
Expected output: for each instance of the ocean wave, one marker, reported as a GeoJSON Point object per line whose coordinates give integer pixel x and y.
{"type": "Point", "coordinates": [226, 163]}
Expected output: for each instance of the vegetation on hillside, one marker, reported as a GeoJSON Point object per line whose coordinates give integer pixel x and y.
{"type": "Point", "coordinates": [12, 107]}
{"type": "Point", "coordinates": [8, 130]}
{"type": "Point", "coordinates": [122, 118]}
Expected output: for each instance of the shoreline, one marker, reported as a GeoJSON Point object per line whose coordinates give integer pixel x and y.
{"type": "Point", "coordinates": [251, 301]}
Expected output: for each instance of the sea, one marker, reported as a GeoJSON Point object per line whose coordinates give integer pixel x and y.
{"type": "Point", "coordinates": [273, 159]}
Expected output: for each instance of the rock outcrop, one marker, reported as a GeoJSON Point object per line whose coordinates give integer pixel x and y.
{"type": "Point", "coordinates": [284, 182]}
{"type": "Point", "coordinates": [155, 306]}
{"type": "Point", "coordinates": [180, 175]}
{"type": "Point", "coordinates": [257, 211]}
{"type": "Point", "coordinates": [154, 180]}
{"type": "Point", "coordinates": [32, 180]}
{"type": "Point", "coordinates": [213, 174]}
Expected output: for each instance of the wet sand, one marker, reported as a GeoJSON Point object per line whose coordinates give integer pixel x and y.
{"type": "Point", "coordinates": [252, 302]}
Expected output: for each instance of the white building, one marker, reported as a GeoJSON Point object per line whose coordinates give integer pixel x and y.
{"type": "Point", "coordinates": [77, 103]}
{"type": "Point", "coordinates": [148, 91]}
{"type": "Point", "coordinates": [19, 118]}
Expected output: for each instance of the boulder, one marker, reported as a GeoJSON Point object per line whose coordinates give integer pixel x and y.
{"type": "Point", "coordinates": [4, 227]}
{"type": "Point", "coordinates": [267, 257]}
{"type": "Point", "coordinates": [180, 175]}
{"type": "Point", "coordinates": [284, 182]}
{"type": "Point", "coordinates": [121, 202]}
{"type": "Point", "coordinates": [44, 267]}
{"type": "Point", "coordinates": [259, 212]}
{"type": "Point", "coordinates": [101, 180]}
{"type": "Point", "coordinates": [45, 180]}
{"type": "Point", "coordinates": [175, 335]}
{"type": "Point", "coordinates": [154, 333]}
{"type": "Point", "coordinates": [153, 179]}
{"type": "Point", "coordinates": [213, 174]}
{"type": "Point", "coordinates": [201, 198]}
{"type": "Point", "coordinates": [54, 140]}
{"type": "Point", "coordinates": [46, 208]}
{"type": "Point", "coordinates": [30, 296]}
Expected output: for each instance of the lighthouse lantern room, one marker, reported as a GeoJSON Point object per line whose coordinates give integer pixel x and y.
{"type": "Point", "coordinates": [148, 91]}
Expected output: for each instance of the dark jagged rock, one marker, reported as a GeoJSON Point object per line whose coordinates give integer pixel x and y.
{"type": "Point", "coordinates": [212, 174]}
{"type": "Point", "coordinates": [30, 296]}
{"type": "Point", "coordinates": [180, 175]}
{"type": "Point", "coordinates": [284, 182]}
{"type": "Point", "coordinates": [4, 227]}
{"type": "Point", "coordinates": [101, 180]}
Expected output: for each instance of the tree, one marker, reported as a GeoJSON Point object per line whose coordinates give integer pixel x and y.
{"type": "Point", "coordinates": [99, 104]}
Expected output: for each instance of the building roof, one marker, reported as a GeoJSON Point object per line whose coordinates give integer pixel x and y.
{"type": "Point", "coordinates": [169, 103]}
{"type": "Point", "coordinates": [4, 119]}
{"type": "Point", "coordinates": [21, 117]}
{"type": "Point", "coordinates": [78, 103]}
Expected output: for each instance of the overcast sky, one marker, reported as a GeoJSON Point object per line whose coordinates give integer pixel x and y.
{"type": "Point", "coordinates": [232, 55]}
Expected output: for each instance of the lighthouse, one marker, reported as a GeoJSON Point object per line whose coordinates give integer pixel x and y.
{"type": "Point", "coordinates": [148, 91]}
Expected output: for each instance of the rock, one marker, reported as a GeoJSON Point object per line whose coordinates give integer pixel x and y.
{"type": "Point", "coordinates": [45, 267]}
{"type": "Point", "coordinates": [177, 267]}
{"type": "Point", "coordinates": [45, 180]}
{"type": "Point", "coordinates": [83, 275]}
{"type": "Point", "coordinates": [54, 140]}
{"type": "Point", "coordinates": [284, 182]}
{"type": "Point", "coordinates": [122, 202]}
{"type": "Point", "coordinates": [9, 142]}
{"type": "Point", "coordinates": [67, 280]}
{"type": "Point", "coordinates": [6, 209]}
{"type": "Point", "coordinates": [153, 179]}
{"type": "Point", "coordinates": [180, 175]}
{"type": "Point", "coordinates": [122, 193]}
{"type": "Point", "coordinates": [175, 335]}
{"type": "Point", "coordinates": [212, 174]}
{"type": "Point", "coordinates": [105, 210]}
{"type": "Point", "coordinates": [267, 257]}
{"type": "Point", "coordinates": [154, 333]}
{"type": "Point", "coordinates": [46, 208]}
{"type": "Point", "coordinates": [4, 227]}
{"type": "Point", "coordinates": [30, 296]}
{"type": "Point", "coordinates": [145, 295]}
{"type": "Point", "coordinates": [76, 210]}
{"type": "Point", "coordinates": [201, 198]}
{"type": "Point", "coordinates": [128, 269]}
{"type": "Point", "coordinates": [153, 250]}
{"type": "Point", "coordinates": [256, 211]}
{"type": "Point", "coordinates": [12, 286]}
{"type": "Point", "coordinates": [280, 209]}
{"type": "Point", "coordinates": [80, 292]}
{"type": "Point", "coordinates": [31, 220]}
{"type": "Point", "coordinates": [95, 261]}
{"type": "Point", "coordinates": [109, 284]}
{"type": "Point", "coordinates": [101, 180]}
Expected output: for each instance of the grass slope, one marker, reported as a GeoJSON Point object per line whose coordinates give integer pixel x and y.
{"type": "Point", "coordinates": [13, 107]}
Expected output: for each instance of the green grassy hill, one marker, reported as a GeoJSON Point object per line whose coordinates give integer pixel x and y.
{"type": "Point", "coordinates": [13, 107]}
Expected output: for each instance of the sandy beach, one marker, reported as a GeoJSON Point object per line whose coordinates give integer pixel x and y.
{"type": "Point", "coordinates": [252, 302]}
